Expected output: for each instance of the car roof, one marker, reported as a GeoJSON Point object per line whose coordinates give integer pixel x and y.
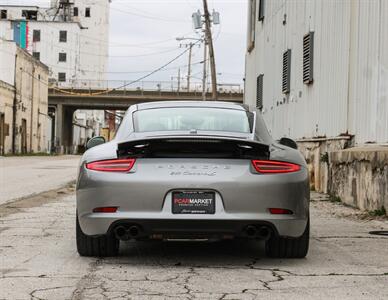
{"type": "Point", "coordinates": [207, 104]}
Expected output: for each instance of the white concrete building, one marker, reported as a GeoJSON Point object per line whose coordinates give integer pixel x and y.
{"type": "Point", "coordinates": [71, 37]}
{"type": "Point", "coordinates": [318, 71]}
{"type": "Point", "coordinates": [346, 91]}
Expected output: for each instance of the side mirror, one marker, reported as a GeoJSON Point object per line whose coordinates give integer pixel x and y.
{"type": "Point", "coordinates": [95, 141]}
{"type": "Point", "coordinates": [288, 142]}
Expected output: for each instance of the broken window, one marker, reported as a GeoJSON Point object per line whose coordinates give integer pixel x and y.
{"type": "Point", "coordinates": [63, 36]}
{"type": "Point", "coordinates": [30, 14]}
{"type": "Point", "coordinates": [3, 14]}
{"type": "Point", "coordinates": [75, 11]}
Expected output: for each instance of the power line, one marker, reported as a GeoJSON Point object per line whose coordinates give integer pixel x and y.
{"type": "Point", "coordinates": [130, 83]}
{"type": "Point", "coordinates": [120, 72]}
{"type": "Point", "coordinates": [188, 2]}
{"type": "Point", "coordinates": [111, 72]}
{"type": "Point", "coordinates": [147, 16]}
{"type": "Point", "coordinates": [171, 49]}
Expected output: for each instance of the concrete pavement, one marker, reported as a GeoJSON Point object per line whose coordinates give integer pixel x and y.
{"type": "Point", "coordinates": [27, 175]}
{"type": "Point", "coordinates": [39, 260]}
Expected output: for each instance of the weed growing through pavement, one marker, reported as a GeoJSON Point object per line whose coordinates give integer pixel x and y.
{"type": "Point", "coordinates": [334, 199]}
{"type": "Point", "coordinates": [378, 212]}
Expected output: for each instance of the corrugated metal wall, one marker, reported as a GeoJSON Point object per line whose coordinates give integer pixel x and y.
{"type": "Point", "coordinates": [349, 92]}
{"type": "Point", "coordinates": [368, 88]}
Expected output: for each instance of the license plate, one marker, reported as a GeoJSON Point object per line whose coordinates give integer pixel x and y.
{"type": "Point", "coordinates": [193, 202]}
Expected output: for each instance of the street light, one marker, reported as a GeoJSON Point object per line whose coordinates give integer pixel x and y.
{"type": "Point", "coordinates": [182, 38]}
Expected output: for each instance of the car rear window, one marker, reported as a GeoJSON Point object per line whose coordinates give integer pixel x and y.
{"type": "Point", "coordinates": [192, 118]}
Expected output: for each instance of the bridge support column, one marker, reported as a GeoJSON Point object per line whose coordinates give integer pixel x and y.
{"type": "Point", "coordinates": [64, 129]}
{"type": "Point", "coordinates": [67, 133]}
{"type": "Point", "coordinates": [58, 129]}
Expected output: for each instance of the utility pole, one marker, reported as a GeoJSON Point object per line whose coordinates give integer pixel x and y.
{"type": "Point", "coordinates": [179, 80]}
{"type": "Point", "coordinates": [190, 45]}
{"type": "Point", "coordinates": [204, 84]}
{"type": "Point", "coordinates": [209, 40]}
{"type": "Point", "coordinates": [189, 67]}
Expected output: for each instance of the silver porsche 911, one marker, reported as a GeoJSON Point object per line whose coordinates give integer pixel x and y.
{"type": "Point", "coordinates": [192, 170]}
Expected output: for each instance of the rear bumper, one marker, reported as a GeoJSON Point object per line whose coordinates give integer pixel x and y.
{"type": "Point", "coordinates": [97, 224]}
{"type": "Point", "coordinates": [241, 198]}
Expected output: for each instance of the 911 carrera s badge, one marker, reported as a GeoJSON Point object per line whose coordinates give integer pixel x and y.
{"type": "Point", "coordinates": [189, 173]}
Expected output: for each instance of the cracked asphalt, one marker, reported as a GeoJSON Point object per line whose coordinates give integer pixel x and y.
{"type": "Point", "coordinates": [39, 260]}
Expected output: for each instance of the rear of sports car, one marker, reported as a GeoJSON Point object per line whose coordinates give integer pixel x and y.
{"type": "Point", "coordinates": [192, 171]}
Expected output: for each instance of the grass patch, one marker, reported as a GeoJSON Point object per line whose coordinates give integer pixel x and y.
{"type": "Point", "coordinates": [378, 212]}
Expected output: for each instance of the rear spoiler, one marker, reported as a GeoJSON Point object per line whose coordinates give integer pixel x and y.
{"type": "Point", "coordinates": [193, 147]}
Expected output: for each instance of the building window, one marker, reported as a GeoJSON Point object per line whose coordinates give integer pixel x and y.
{"type": "Point", "coordinates": [252, 25]}
{"type": "Point", "coordinates": [75, 11]}
{"type": "Point", "coordinates": [30, 14]}
{"type": "Point", "coordinates": [87, 12]}
{"type": "Point", "coordinates": [61, 77]}
{"type": "Point", "coordinates": [62, 57]}
{"type": "Point", "coordinates": [259, 92]}
{"type": "Point", "coordinates": [308, 57]}
{"type": "Point", "coordinates": [261, 9]}
{"type": "Point", "coordinates": [286, 80]}
{"type": "Point", "coordinates": [36, 55]}
{"type": "Point", "coordinates": [63, 36]}
{"type": "Point", "coordinates": [3, 14]}
{"type": "Point", "coordinates": [36, 35]}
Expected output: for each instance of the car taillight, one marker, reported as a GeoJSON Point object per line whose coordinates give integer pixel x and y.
{"type": "Point", "coordinates": [113, 165]}
{"type": "Point", "coordinates": [272, 166]}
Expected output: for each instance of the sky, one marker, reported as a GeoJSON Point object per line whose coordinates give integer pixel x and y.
{"type": "Point", "coordinates": [147, 30]}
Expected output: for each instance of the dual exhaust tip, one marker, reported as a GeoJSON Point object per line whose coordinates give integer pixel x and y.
{"type": "Point", "coordinates": [126, 233]}
{"type": "Point", "coordinates": [259, 232]}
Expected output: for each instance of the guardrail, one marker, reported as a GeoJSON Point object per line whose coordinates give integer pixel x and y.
{"type": "Point", "coordinates": [162, 86]}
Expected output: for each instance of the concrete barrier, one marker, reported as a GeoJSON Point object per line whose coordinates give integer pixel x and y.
{"type": "Point", "coordinates": [359, 177]}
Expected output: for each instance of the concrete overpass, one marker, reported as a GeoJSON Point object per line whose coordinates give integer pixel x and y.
{"type": "Point", "coordinates": [64, 101]}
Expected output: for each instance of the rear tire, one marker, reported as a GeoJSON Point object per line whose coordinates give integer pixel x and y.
{"type": "Point", "coordinates": [280, 247]}
{"type": "Point", "coordinates": [101, 246]}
